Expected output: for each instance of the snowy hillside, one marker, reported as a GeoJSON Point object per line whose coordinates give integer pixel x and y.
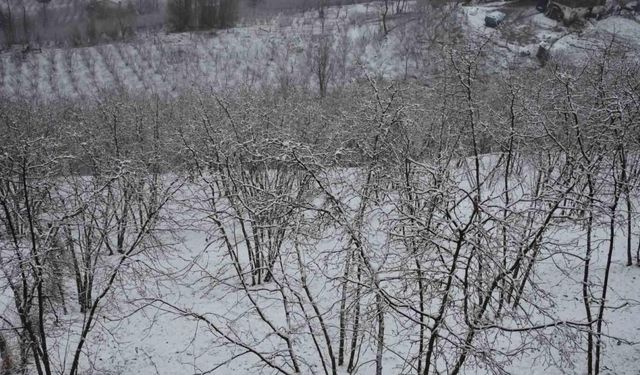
{"type": "Point", "coordinates": [269, 54]}
{"type": "Point", "coordinates": [284, 51]}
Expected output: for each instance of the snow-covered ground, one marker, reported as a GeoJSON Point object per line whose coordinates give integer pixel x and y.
{"type": "Point", "coordinates": [525, 29]}
{"type": "Point", "coordinates": [136, 334]}
{"type": "Point", "coordinates": [156, 342]}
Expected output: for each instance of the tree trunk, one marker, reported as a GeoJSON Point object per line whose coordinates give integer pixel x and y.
{"type": "Point", "coordinates": [605, 285]}
{"type": "Point", "coordinates": [380, 339]}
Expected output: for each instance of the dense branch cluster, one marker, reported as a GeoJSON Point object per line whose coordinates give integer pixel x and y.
{"type": "Point", "coordinates": [389, 226]}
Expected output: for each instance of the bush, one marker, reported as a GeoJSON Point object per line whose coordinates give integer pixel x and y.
{"type": "Point", "coordinates": [183, 15]}
{"type": "Point", "coordinates": [178, 15]}
{"type": "Point", "coordinates": [110, 18]}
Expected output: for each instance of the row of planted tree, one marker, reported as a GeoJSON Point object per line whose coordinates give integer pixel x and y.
{"type": "Point", "coordinates": [429, 208]}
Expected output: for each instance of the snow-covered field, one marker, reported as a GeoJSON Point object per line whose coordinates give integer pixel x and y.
{"type": "Point", "coordinates": [155, 342]}
{"type": "Point", "coordinates": [284, 51]}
